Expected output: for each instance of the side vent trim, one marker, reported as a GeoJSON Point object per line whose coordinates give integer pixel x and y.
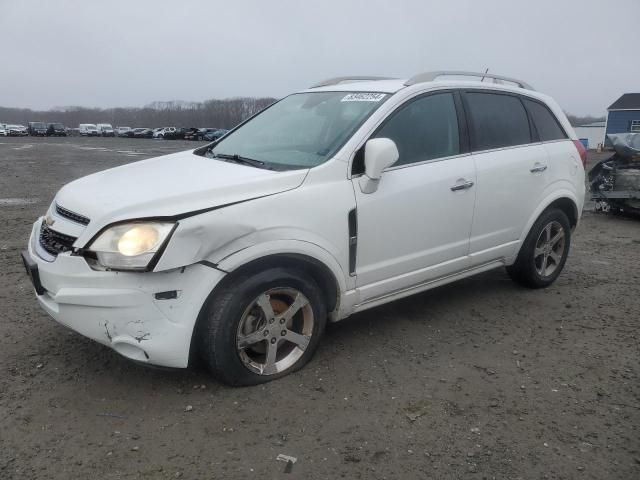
{"type": "Point", "coordinates": [353, 241]}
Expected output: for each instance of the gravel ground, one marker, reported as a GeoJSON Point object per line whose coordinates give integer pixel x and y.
{"type": "Point", "coordinates": [478, 379]}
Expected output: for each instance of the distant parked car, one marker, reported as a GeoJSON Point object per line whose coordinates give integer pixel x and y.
{"type": "Point", "coordinates": [17, 131]}
{"type": "Point", "coordinates": [105, 129]}
{"type": "Point", "coordinates": [191, 133]}
{"type": "Point", "coordinates": [130, 133]}
{"type": "Point", "coordinates": [142, 133]}
{"type": "Point", "coordinates": [122, 131]}
{"type": "Point", "coordinates": [175, 134]}
{"type": "Point", "coordinates": [200, 133]}
{"type": "Point", "coordinates": [37, 129]}
{"type": "Point", "coordinates": [164, 132]}
{"type": "Point", "coordinates": [3, 130]}
{"type": "Point", "coordinates": [215, 135]}
{"type": "Point", "coordinates": [56, 130]}
{"type": "Point", "coordinates": [88, 130]}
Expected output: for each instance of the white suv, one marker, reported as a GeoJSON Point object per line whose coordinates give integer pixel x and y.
{"type": "Point", "coordinates": [339, 198]}
{"type": "Point", "coordinates": [162, 132]}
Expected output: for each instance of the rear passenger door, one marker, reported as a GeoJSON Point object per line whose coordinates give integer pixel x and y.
{"type": "Point", "coordinates": [563, 163]}
{"type": "Point", "coordinates": [511, 169]}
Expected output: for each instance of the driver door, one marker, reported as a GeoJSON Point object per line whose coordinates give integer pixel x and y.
{"type": "Point", "coordinates": [416, 226]}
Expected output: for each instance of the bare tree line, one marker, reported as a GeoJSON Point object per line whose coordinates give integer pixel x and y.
{"type": "Point", "coordinates": [576, 120]}
{"type": "Point", "coordinates": [224, 113]}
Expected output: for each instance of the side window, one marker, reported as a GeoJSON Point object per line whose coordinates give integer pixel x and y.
{"type": "Point", "coordinates": [497, 121]}
{"type": "Point", "coordinates": [424, 129]}
{"type": "Point", "coordinates": [545, 122]}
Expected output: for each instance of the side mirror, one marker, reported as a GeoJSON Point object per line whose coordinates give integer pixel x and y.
{"type": "Point", "coordinates": [379, 153]}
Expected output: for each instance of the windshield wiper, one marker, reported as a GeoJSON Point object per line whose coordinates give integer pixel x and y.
{"type": "Point", "coordinates": [242, 160]}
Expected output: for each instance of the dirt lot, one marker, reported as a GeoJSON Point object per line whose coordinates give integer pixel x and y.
{"type": "Point", "coordinates": [479, 379]}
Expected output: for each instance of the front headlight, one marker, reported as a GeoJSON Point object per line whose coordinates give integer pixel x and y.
{"type": "Point", "coordinates": [130, 246]}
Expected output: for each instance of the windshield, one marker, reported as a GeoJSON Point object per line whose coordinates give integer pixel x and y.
{"type": "Point", "coordinates": [302, 130]}
{"type": "Point", "coordinates": [38, 125]}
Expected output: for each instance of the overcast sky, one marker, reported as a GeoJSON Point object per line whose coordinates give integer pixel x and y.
{"type": "Point", "coordinates": [131, 52]}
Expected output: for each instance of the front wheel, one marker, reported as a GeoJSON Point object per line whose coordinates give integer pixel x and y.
{"type": "Point", "coordinates": [262, 326]}
{"type": "Point", "coordinates": [544, 251]}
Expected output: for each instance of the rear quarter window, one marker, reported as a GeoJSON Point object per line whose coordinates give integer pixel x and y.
{"type": "Point", "coordinates": [546, 123]}
{"type": "Point", "coordinates": [497, 121]}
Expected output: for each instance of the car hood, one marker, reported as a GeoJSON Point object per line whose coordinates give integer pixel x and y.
{"type": "Point", "coordinates": [169, 186]}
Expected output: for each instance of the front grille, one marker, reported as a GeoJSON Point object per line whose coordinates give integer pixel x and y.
{"type": "Point", "coordinates": [69, 215]}
{"type": "Point", "coordinates": [55, 242]}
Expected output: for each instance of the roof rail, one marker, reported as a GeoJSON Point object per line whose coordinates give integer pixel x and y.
{"type": "Point", "coordinates": [352, 78]}
{"type": "Point", "coordinates": [431, 76]}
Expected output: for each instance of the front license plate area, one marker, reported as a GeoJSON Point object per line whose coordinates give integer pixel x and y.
{"type": "Point", "coordinates": [32, 270]}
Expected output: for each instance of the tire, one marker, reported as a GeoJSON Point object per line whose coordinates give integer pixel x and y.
{"type": "Point", "coordinates": [544, 251]}
{"type": "Point", "coordinates": [231, 336]}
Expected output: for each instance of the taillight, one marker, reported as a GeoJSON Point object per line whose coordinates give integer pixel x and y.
{"type": "Point", "coordinates": [582, 152]}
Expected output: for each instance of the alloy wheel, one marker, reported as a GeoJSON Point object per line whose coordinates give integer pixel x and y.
{"type": "Point", "coordinates": [275, 330]}
{"type": "Point", "coordinates": [549, 249]}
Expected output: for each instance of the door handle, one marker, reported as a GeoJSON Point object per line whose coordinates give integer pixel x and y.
{"type": "Point", "coordinates": [462, 185]}
{"type": "Point", "coordinates": [538, 167]}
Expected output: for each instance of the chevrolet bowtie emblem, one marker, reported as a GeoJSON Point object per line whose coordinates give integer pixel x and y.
{"type": "Point", "coordinates": [49, 220]}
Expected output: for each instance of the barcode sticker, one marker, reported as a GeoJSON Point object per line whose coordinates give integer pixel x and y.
{"type": "Point", "coordinates": [363, 97]}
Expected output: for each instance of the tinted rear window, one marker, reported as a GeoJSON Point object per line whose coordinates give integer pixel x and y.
{"type": "Point", "coordinates": [497, 121]}
{"type": "Point", "coordinates": [545, 122]}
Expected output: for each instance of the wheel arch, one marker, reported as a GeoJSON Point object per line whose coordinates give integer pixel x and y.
{"type": "Point", "coordinates": [568, 206]}
{"type": "Point", "coordinates": [320, 272]}
{"type": "Point", "coordinates": [313, 267]}
{"type": "Point", "coordinates": [563, 200]}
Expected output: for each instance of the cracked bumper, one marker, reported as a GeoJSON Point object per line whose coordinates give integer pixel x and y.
{"type": "Point", "coordinates": [119, 309]}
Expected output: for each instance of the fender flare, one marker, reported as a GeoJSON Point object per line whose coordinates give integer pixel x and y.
{"type": "Point", "coordinates": [286, 247]}
{"type": "Point", "coordinates": [542, 206]}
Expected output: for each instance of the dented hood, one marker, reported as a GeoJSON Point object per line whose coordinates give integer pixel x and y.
{"type": "Point", "coordinates": [167, 186]}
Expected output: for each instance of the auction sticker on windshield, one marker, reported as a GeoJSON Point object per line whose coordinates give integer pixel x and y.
{"type": "Point", "coordinates": [363, 97]}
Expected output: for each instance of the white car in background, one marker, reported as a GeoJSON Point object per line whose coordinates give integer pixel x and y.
{"type": "Point", "coordinates": [88, 130]}
{"type": "Point", "coordinates": [105, 130]}
{"type": "Point", "coordinates": [3, 130]}
{"type": "Point", "coordinates": [162, 132]}
{"type": "Point", "coordinates": [17, 131]}
{"type": "Point", "coordinates": [122, 131]}
{"type": "Point", "coordinates": [348, 195]}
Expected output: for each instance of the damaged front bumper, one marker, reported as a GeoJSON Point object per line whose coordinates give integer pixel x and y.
{"type": "Point", "coordinates": [145, 316]}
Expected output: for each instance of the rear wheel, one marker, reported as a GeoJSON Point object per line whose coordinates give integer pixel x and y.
{"type": "Point", "coordinates": [262, 327]}
{"type": "Point", "coordinates": [544, 251]}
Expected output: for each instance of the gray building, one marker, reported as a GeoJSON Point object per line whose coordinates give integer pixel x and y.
{"type": "Point", "coordinates": [593, 133]}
